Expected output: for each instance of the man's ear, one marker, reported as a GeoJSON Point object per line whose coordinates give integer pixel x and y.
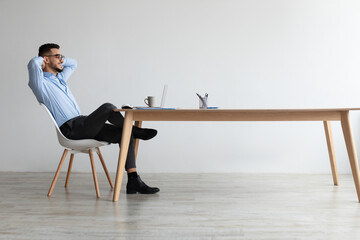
{"type": "Point", "coordinates": [46, 59]}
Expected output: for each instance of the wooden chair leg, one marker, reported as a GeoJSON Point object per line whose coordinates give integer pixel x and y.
{"type": "Point", "coordinates": [69, 170]}
{"type": "Point", "coordinates": [104, 166]}
{"type": "Point", "coordinates": [57, 172]}
{"type": "Point", "coordinates": [94, 173]}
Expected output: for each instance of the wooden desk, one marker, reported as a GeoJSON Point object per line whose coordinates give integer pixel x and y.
{"type": "Point", "coordinates": [324, 115]}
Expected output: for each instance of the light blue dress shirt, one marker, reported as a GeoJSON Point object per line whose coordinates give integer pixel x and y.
{"type": "Point", "coordinates": [52, 90]}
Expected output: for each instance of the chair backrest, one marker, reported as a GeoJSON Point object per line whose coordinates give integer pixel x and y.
{"type": "Point", "coordinates": [79, 145]}
{"type": "Point", "coordinates": [53, 120]}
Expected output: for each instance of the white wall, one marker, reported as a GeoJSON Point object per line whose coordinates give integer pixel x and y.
{"type": "Point", "coordinates": [245, 54]}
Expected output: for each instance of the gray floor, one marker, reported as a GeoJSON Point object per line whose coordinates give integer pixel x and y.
{"type": "Point", "coordinates": [189, 206]}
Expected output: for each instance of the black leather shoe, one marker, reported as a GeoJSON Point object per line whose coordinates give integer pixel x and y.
{"type": "Point", "coordinates": [136, 185]}
{"type": "Point", "coordinates": [144, 133]}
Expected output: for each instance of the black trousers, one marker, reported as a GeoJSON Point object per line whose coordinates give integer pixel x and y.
{"type": "Point", "coordinates": [94, 126]}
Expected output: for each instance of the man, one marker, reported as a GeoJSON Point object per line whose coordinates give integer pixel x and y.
{"type": "Point", "coordinates": [48, 76]}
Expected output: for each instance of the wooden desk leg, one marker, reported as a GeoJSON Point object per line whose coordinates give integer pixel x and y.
{"type": "Point", "coordinates": [137, 124]}
{"type": "Point", "coordinates": [124, 146]}
{"type": "Point", "coordinates": [330, 145]}
{"type": "Point", "coordinates": [349, 141]}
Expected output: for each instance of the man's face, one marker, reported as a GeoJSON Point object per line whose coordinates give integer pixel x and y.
{"type": "Point", "coordinates": [54, 60]}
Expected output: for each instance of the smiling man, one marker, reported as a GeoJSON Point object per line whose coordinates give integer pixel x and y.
{"type": "Point", "coordinates": [48, 76]}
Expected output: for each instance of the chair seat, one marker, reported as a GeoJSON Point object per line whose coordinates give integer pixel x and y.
{"type": "Point", "coordinates": [82, 145]}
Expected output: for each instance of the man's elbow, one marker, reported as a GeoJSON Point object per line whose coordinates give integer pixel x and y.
{"type": "Point", "coordinates": [34, 63]}
{"type": "Point", "coordinates": [75, 64]}
{"type": "Point", "coordinates": [31, 64]}
{"type": "Point", "coordinates": [70, 63]}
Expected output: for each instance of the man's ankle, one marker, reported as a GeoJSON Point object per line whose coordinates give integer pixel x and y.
{"type": "Point", "coordinates": [132, 175]}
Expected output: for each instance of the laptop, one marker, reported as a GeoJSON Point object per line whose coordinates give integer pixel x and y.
{"type": "Point", "coordinates": [163, 98]}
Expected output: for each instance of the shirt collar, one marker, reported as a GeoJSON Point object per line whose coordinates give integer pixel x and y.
{"type": "Point", "coordinates": [47, 74]}
{"type": "Point", "coordinates": [52, 76]}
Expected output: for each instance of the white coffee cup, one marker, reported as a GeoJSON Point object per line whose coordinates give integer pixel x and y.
{"type": "Point", "coordinates": [150, 101]}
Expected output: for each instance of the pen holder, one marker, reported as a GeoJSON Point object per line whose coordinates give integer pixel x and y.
{"type": "Point", "coordinates": [203, 103]}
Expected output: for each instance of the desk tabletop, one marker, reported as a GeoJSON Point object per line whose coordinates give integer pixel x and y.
{"type": "Point", "coordinates": [242, 110]}
{"type": "Point", "coordinates": [329, 114]}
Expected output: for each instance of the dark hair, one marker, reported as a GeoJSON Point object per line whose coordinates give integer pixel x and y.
{"type": "Point", "coordinates": [46, 48]}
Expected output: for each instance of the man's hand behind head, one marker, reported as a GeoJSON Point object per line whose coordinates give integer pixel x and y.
{"type": "Point", "coordinates": [43, 65]}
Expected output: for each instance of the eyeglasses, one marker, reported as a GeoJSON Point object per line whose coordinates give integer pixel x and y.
{"type": "Point", "coordinates": [58, 56]}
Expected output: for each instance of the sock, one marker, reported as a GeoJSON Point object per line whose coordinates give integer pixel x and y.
{"type": "Point", "coordinates": [132, 175]}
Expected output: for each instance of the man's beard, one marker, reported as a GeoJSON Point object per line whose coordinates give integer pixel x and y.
{"type": "Point", "coordinates": [59, 70]}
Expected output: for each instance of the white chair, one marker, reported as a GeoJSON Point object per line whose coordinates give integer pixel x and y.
{"type": "Point", "coordinates": [78, 146]}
